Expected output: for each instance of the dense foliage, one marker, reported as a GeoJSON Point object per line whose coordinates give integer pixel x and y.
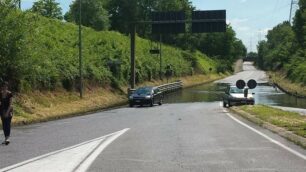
{"type": "Point", "coordinates": [285, 47]}
{"type": "Point", "coordinates": [48, 8]}
{"type": "Point", "coordinates": [93, 14]}
{"type": "Point", "coordinates": [224, 47]}
{"type": "Point", "coordinates": [42, 53]}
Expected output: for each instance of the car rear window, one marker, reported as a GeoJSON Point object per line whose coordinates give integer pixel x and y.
{"type": "Point", "coordinates": [143, 91]}
{"type": "Point", "coordinates": [235, 90]}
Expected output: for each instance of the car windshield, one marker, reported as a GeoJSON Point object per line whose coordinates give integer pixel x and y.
{"type": "Point", "coordinates": [235, 90]}
{"type": "Point", "coordinates": [145, 90]}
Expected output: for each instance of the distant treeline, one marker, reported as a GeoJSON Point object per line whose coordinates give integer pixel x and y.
{"type": "Point", "coordinates": [285, 48]}
{"type": "Point", "coordinates": [40, 50]}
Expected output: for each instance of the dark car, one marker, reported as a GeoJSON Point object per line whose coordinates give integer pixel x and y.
{"type": "Point", "coordinates": [146, 96]}
{"type": "Point", "coordinates": [234, 96]}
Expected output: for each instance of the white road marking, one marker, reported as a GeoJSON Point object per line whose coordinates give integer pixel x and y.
{"type": "Point", "coordinates": [265, 136]}
{"type": "Point", "coordinates": [76, 158]}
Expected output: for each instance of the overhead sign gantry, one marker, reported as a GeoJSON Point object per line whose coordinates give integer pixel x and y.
{"type": "Point", "coordinates": [175, 23]}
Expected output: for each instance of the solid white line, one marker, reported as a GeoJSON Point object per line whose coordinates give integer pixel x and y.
{"type": "Point", "coordinates": [266, 137]}
{"type": "Point", "coordinates": [85, 163]}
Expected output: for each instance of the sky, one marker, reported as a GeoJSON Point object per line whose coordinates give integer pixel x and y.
{"type": "Point", "coordinates": [251, 19]}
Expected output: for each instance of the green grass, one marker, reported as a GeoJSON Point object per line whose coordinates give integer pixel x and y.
{"type": "Point", "coordinates": [295, 88]}
{"type": "Point", "coordinates": [291, 121]}
{"type": "Point", "coordinates": [47, 56]}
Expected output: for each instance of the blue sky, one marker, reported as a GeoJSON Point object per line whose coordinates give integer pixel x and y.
{"type": "Point", "coordinates": [251, 19]}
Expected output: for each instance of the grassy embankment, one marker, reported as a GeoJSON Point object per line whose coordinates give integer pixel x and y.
{"type": "Point", "coordinates": [39, 106]}
{"type": "Point", "coordinates": [290, 121]}
{"type": "Point", "coordinates": [289, 125]}
{"type": "Point", "coordinates": [48, 66]}
{"type": "Point", "coordinates": [293, 88]}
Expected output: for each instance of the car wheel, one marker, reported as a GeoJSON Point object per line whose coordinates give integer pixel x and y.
{"type": "Point", "coordinates": [160, 102]}
{"type": "Point", "coordinates": [229, 104]}
{"type": "Point", "coordinates": [131, 104]}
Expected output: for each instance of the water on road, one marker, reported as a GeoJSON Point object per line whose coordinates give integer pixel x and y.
{"type": "Point", "coordinates": [264, 93]}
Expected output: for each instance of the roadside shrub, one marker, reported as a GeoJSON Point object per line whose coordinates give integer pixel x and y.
{"type": "Point", "coordinates": [42, 53]}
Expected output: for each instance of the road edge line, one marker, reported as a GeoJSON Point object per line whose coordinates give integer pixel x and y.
{"type": "Point", "coordinates": [265, 136]}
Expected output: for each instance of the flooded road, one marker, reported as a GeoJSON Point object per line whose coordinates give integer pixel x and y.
{"type": "Point", "coordinates": [264, 94]}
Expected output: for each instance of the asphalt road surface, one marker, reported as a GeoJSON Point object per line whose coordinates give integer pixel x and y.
{"type": "Point", "coordinates": [172, 138]}
{"type": "Point", "coordinates": [249, 72]}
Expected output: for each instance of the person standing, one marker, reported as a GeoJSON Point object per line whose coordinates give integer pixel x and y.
{"type": "Point", "coordinates": [6, 111]}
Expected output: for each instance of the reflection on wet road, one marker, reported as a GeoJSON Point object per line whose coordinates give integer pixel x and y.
{"type": "Point", "coordinates": [264, 94]}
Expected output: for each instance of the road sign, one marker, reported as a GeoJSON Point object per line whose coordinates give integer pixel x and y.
{"type": "Point", "coordinates": [168, 22]}
{"type": "Point", "coordinates": [208, 21]}
{"type": "Point", "coordinates": [240, 84]}
{"type": "Point", "coordinates": [252, 84]}
{"type": "Point", "coordinates": [155, 51]}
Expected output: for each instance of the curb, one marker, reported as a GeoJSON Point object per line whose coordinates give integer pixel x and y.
{"type": "Point", "coordinates": [301, 141]}
{"type": "Point", "coordinates": [288, 92]}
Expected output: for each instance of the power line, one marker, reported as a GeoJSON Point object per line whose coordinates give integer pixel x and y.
{"type": "Point", "coordinates": [251, 44]}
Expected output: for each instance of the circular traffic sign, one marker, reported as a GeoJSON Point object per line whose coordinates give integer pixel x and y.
{"type": "Point", "coordinates": [252, 84]}
{"type": "Point", "coordinates": [240, 84]}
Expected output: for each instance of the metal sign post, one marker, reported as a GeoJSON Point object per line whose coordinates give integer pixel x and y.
{"type": "Point", "coordinates": [175, 23]}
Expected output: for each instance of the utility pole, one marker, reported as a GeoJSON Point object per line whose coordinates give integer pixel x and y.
{"type": "Point", "coordinates": [290, 15]}
{"type": "Point", "coordinates": [251, 44]}
{"type": "Point", "coordinates": [19, 4]}
{"type": "Point", "coordinates": [293, 2]}
{"type": "Point", "coordinates": [80, 50]}
{"type": "Point", "coordinates": [259, 35]}
{"type": "Point", "coordinates": [133, 46]}
{"type": "Point", "coordinates": [160, 58]}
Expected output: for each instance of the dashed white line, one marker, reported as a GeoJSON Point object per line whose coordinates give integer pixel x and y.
{"type": "Point", "coordinates": [265, 136]}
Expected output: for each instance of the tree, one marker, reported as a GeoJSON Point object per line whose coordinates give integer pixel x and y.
{"type": "Point", "coordinates": [48, 8]}
{"type": "Point", "coordinates": [93, 14]}
{"type": "Point", "coordinates": [123, 12]}
{"type": "Point", "coordinates": [299, 24]}
{"type": "Point", "coordinates": [9, 3]}
{"type": "Point", "coordinates": [262, 49]}
{"type": "Point", "coordinates": [280, 44]}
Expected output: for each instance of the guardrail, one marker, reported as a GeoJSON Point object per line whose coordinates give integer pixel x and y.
{"type": "Point", "coordinates": [166, 88]}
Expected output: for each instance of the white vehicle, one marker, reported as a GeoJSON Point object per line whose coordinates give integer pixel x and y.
{"type": "Point", "coordinates": [235, 96]}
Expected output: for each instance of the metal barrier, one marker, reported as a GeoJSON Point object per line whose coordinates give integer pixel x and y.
{"type": "Point", "coordinates": [166, 88]}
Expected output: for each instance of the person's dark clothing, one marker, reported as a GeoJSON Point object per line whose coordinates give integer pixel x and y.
{"type": "Point", "coordinates": [6, 121]}
{"type": "Point", "coordinates": [6, 126]}
{"type": "Point", "coordinates": [5, 103]}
